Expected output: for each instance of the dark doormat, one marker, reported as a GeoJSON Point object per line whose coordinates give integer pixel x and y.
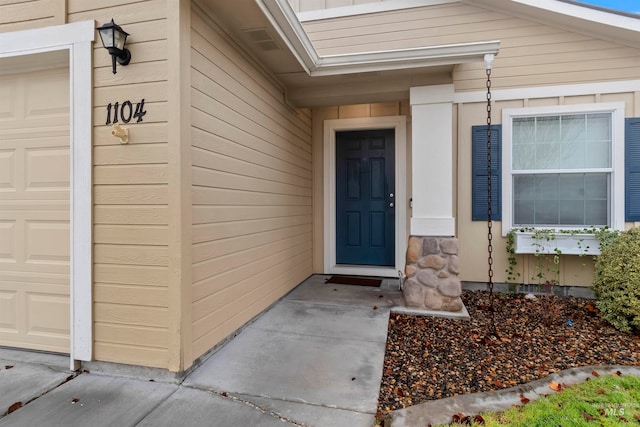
{"type": "Point", "coordinates": [351, 280]}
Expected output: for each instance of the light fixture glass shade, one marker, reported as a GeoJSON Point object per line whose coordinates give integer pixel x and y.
{"type": "Point", "coordinates": [120, 37]}
{"type": "Point", "coordinates": [112, 36]}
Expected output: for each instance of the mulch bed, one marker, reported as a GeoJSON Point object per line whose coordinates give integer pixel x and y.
{"type": "Point", "coordinates": [431, 358]}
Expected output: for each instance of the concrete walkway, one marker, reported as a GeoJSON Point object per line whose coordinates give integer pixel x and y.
{"type": "Point", "coordinates": [314, 359]}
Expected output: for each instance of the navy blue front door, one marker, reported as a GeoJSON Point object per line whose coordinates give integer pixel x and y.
{"type": "Point", "coordinates": [365, 197]}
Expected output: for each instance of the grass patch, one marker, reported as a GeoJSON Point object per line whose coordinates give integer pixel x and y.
{"type": "Point", "coordinates": [602, 401]}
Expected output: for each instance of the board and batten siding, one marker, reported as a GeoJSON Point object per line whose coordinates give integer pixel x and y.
{"type": "Point", "coordinates": [130, 188]}
{"type": "Point", "coordinates": [574, 270]}
{"type": "Point", "coordinates": [251, 182]}
{"type": "Point", "coordinates": [531, 54]}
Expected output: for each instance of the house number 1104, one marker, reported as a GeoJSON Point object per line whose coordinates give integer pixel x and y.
{"type": "Point", "coordinates": [125, 112]}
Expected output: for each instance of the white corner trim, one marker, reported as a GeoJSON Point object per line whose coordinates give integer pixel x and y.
{"type": "Point", "coordinates": [534, 92]}
{"type": "Point", "coordinates": [363, 9]}
{"type": "Point", "coordinates": [399, 123]}
{"type": "Point", "coordinates": [284, 20]}
{"type": "Point", "coordinates": [77, 38]}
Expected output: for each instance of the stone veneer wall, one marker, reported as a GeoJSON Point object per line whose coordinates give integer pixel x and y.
{"type": "Point", "coordinates": [431, 274]}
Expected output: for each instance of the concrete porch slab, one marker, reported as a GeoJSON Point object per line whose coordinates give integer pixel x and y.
{"type": "Point", "coordinates": [336, 321]}
{"type": "Point", "coordinates": [316, 291]}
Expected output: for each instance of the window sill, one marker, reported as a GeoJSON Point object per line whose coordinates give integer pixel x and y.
{"type": "Point", "coordinates": [567, 244]}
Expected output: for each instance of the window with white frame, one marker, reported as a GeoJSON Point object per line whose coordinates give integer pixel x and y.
{"type": "Point", "coordinates": [563, 166]}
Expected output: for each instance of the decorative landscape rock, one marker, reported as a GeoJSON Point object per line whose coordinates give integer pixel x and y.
{"type": "Point", "coordinates": [432, 274]}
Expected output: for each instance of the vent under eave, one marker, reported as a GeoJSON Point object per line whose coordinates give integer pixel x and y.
{"type": "Point", "coordinates": [261, 38]}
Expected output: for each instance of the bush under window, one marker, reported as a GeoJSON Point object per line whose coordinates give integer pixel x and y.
{"type": "Point", "coordinates": [617, 281]}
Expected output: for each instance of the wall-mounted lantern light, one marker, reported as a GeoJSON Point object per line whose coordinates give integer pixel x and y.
{"type": "Point", "coordinates": [113, 39]}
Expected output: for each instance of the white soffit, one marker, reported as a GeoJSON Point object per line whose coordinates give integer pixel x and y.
{"type": "Point", "coordinates": [285, 21]}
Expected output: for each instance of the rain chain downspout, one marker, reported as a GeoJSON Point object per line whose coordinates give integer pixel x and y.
{"type": "Point", "coordinates": [488, 65]}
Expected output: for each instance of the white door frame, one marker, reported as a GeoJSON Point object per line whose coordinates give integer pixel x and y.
{"type": "Point", "coordinates": [399, 124]}
{"type": "Point", "coordinates": [77, 38]}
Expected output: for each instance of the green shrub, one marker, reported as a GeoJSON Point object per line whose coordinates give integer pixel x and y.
{"type": "Point", "coordinates": [617, 281]}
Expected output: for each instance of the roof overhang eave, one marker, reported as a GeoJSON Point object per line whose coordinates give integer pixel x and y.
{"type": "Point", "coordinates": [284, 20]}
{"type": "Point", "coordinates": [431, 56]}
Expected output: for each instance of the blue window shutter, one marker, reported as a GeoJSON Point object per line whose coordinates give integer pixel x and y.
{"type": "Point", "coordinates": [632, 169]}
{"type": "Point", "coordinates": [479, 173]}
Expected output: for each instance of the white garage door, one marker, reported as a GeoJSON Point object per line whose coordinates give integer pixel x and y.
{"type": "Point", "coordinates": [34, 210]}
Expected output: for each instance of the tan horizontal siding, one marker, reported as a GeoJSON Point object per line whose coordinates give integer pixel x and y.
{"type": "Point", "coordinates": [130, 354]}
{"type": "Point", "coordinates": [531, 54]}
{"type": "Point", "coordinates": [251, 189]}
{"type": "Point", "coordinates": [130, 188]}
{"type": "Point", "coordinates": [145, 133]}
{"type": "Point", "coordinates": [238, 308]}
{"type": "Point", "coordinates": [131, 275]}
{"type": "Point", "coordinates": [16, 15]}
{"type": "Point", "coordinates": [131, 214]}
{"type": "Point", "coordinates": [224, 230]}
{"type": "Point", "coordinates": [212, 214]}
{"type": "Point", "coordinates": [574, 270]}
{"type": "Point", "coordinates": [308, 5]}
{"type": "Point", "coordinates": [143, 295]}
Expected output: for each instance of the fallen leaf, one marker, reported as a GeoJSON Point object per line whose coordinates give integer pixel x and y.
{"type": "Point", "coordinates": [555, 386]}
{"type": "Point", "coordinates": [375, 307]}
{"type": "Point", "coordinates": [353, 378]}
{"type": "Point", "coordinates": [14, 407]}
{"type": "Point", "coordinates": [224, 394]}
{"type": "Point", "coordinates": [523, 399]}
{"type": "Point", "coordinates": [602, 412]}
{"type": "Point", "coordinates": [478, 419]}
{"type": "Point", "coordinates": [617, 374]}
{"type": "Point", "coordinates": [498, 383]}
{"type": "Point", "coordinates": [75, 400]}
{"type": "Point", "coordinates": [588, 417]}
{"type": "Point", "coordinates": [595, 374]}
{"type": "Point", "coordinates": [623, 419]}
{"type": "Point", "coordinates": [636, 416]}
{"type": "Point", "coordinates": [461, 419]}
{"type": "Point", "coordinates": [601, 391]}
{"type": "Point", "coordinates": [8, 366]}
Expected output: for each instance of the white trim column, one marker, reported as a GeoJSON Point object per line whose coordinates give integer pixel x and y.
{"type": "Point", "coordinates": [432, 160]}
